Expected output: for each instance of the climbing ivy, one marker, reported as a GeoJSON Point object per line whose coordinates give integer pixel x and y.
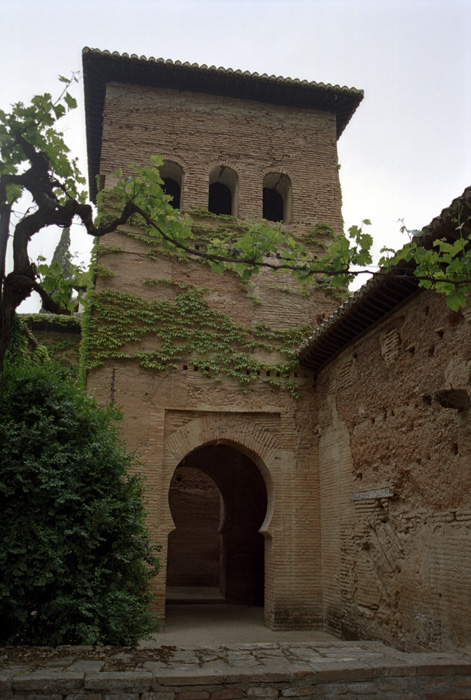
{"type": "Point", "coordinates": [58, 336]}
{"type": "Point", "coordinates": [187, 332]}
{"type": "Point", "coordinates": [319, 232]}
{"type": "Point", "coordinates": [103, 271]}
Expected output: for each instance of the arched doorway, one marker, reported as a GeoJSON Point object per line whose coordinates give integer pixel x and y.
{"type": "Point", "coordinates": [218, 501]}
{"type": "Point", "coordinates": [193, 546]}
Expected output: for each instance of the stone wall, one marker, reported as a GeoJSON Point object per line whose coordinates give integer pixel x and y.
{"type": "Point", "coordinates": [233, 672]}
{"type": "Point", "coordinates": [395, 481]}
{"type": "Point", "coordinates": [194, 545]}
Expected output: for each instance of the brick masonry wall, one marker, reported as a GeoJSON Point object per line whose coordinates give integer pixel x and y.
{"type": "Point", "coordinates": [154, 405]}
{"type": "Point", "coordinates": [194, 501]}
{"type": "Point", "coordinates": [270, 427]}
{"type": "Point", "coordinates": [395, 481]}
{"type": "Point", "coordinates": [171, 414]}
{"type": "Point", "coordinates": [201, 131]}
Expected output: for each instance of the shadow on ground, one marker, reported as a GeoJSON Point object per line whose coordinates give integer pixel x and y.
{"type": "Point", "coordinates": [218, 624]}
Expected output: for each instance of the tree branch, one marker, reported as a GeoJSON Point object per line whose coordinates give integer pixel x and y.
{"type": "Point", "coordinates": [32, 285]}
{"type": "Point", "coordinates": [253, 262]}
{"type": "Point", "coordinates": [85, 212]}
{"type": "Point", "coordinates": [5, 212]}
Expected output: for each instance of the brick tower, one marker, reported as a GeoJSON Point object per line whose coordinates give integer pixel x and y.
{"type": "Point", "coordinates": [201, 363]}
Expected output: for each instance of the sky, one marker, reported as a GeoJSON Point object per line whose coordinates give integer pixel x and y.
{"type": "Point", "coordinates": [405, 155]}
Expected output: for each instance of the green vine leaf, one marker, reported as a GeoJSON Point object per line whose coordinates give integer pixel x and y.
{"type": "Point", "coordinates": [188, 331]}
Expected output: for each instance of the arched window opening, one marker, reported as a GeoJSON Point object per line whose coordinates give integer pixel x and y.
{"type": "Point", "coordinates": [273, 209]}
{"type": "Point", "coordinates": [172, 175]}
{"type": "Point", "coordinates": [276, 197]}
{"type": "Point", "coordinates": [172, 188]}
{"type": "Point", "coordinates": [222, 198]}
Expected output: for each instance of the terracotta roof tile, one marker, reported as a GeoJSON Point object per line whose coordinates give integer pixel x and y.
{"type": "Point", "coordinates": [101, 67]}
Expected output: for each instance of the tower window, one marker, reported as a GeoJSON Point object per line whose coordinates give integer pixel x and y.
{"type": "Point", "coordinates": [273, 209]}
{"type": "Point", "coordinates": [172, 188]}
{"type": "Point", "coordinates": [172, 175]}
{"type": "Point", "coordinates": [222, 197]}
{"type": "Point", "coordinates": [276, 197]}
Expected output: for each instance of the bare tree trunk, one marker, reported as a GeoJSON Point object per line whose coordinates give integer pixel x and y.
{"type": "Point", "coordinates": [13, 294]}
{"type": "Point", "coordinates": [5, 212]}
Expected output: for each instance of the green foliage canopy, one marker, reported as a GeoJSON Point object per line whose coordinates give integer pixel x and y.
{"type": "Point", "coordinates": [442, 265]}
{"type": "Point", "coordinates": [261, 244]}
{"type": "Point", "coordinates": [445, 265]}
{"type": "Point", "coordinates": [75, 554]}
{"type": "Point", "coordinates": [36, 163]}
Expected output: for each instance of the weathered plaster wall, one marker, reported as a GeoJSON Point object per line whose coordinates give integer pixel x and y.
{"type": "Point", "coordinates": [395, 481]}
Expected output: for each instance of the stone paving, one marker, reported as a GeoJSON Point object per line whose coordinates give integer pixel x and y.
{"type": "Point", "coordinates": [351, 670]}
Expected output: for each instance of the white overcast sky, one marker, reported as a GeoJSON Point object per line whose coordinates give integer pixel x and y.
{"type": "Point", "coordinates": [407, 151]}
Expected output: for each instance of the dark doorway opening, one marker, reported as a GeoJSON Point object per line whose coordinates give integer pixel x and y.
{"type": "Point", "coordinates": [193, 547]}
{"type": "Point", "coordinates": [218, 501]}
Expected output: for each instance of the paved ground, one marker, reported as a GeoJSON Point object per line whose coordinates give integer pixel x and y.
{"type": "Point", "coordinates": [224, 652]}
{"type": "Point", "coordinates": [215, 625]}
{"type": "Point", "coordinates": [250, 671]}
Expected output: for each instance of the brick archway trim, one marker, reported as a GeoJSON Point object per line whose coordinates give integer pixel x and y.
{"type": "Point", "coordinates": [240, 432]}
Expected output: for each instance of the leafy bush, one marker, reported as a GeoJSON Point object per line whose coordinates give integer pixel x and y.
{"type": "Point", "coordinates": [75, 556]}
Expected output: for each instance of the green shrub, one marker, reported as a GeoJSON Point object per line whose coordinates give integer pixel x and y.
{"type": "Point", "coordinates": [75, 556]}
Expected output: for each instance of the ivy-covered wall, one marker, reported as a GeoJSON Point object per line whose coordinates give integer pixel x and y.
{"type": "Point", "coordinates": [60, 335]}
{"type": "Point", "coordinates": [221, 326]}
